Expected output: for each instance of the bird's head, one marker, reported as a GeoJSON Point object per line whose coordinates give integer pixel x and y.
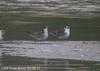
{"type": "Point", "coordinates": [67, 29]}
{"type": "Point", "coordinates": [2, 31]}
{"type": "Point", "coordinates": [45, 30]}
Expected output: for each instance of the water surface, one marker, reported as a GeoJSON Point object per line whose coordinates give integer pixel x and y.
{"type": "Point", "coordinates": [17, 17]}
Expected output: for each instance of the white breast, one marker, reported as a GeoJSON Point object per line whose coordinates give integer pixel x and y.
{"type": "Point", "coordinates": [1, 34]}
{"type": "Point", "coordinates": [67, 31]}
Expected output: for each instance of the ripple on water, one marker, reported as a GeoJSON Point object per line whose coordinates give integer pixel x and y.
{"type": "Point", "coordinates": [52, 49]}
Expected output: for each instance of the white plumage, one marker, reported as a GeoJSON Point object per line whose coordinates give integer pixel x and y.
{"type": "Point", "coordinates": [1, 34]}
{"type": "Point", "coordinates": [62, 35]}
{"type": "Point", "coordinates": [42, 35]}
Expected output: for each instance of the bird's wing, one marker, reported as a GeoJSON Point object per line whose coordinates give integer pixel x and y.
{"type": "Point", "coordinates": [57, 33]}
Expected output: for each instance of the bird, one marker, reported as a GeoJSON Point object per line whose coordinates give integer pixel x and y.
{"type": "Point", "coordinates": [2, 32]}
{"type": "Point", "coordinates": [42, 35]}
{"type": "Point", "coordinates": [62, 34]}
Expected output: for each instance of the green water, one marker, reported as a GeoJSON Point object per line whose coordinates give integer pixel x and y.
{"type": "Point", "coordinates": [16, 26]}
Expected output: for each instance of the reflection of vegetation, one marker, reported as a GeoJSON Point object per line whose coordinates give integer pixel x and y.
{"type": "Point", "coordinates": [53, 64]}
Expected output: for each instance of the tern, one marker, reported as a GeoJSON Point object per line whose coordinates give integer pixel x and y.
{"type": "Point", "coordinates": [62, 35]}
{"type": "Point", "coordinates": [2, 32]}
{"type": "Point", "coordinates": [42, 35]}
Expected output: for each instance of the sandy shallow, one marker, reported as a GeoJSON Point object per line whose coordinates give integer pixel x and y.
{"type": "Point", "coordinates": [79, 50]}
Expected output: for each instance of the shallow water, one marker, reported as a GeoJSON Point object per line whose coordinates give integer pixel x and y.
{"type": "Point", "coordinates": [50, 56]}
{"type": "Point", "coordinates": [79, 50]}
{"type": "Point", "coordinates": [18, 17]}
